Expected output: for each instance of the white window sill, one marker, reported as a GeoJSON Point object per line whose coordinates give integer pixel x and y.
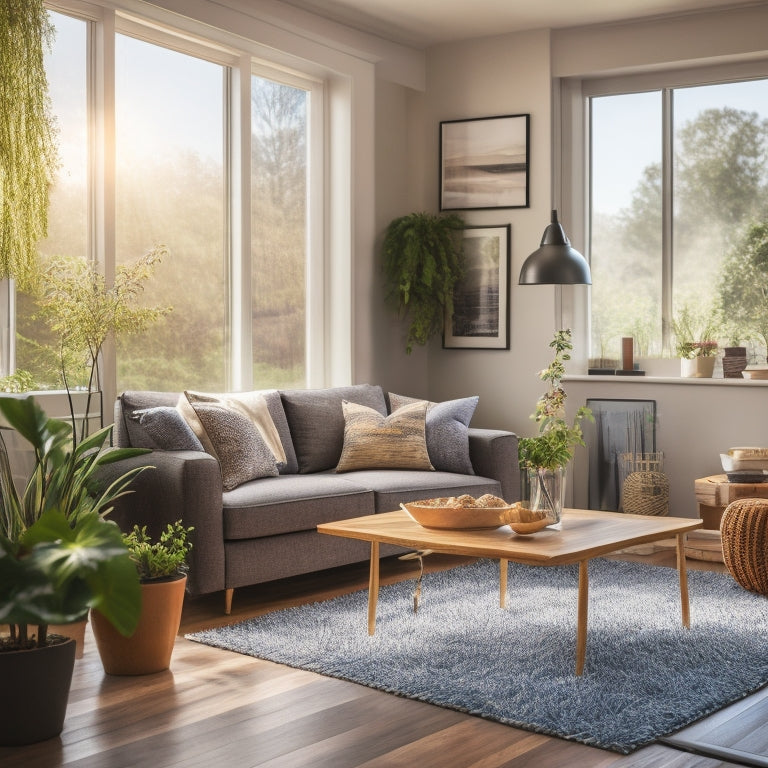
{"type": "Point", "coordinates": [718, 382]}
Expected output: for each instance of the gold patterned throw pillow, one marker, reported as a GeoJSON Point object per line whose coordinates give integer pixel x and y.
{"type": "Point", "coordinates": [373, 441]}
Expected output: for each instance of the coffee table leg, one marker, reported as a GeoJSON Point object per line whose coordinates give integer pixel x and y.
{"type": "Point", "coordinates": [581, 631]}
{"type": "Point", "coordinates": [373, 587]}
{"type": "Point", "coordinates": [684, 603]}
{"type": "Point", "coordinates": [503, 582]}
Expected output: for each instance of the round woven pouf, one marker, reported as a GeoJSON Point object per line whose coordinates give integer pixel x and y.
{"type": "Point", "coordinates": [744, 532]}
{"type": "Point", "coordinates": [645, 493]}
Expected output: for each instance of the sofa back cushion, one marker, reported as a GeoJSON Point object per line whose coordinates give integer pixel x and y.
{"type": "Point", "coordinates": [316, 421]}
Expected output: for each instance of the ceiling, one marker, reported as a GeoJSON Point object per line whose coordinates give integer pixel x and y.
{"type": "Point", "coordinates": [422, 23]}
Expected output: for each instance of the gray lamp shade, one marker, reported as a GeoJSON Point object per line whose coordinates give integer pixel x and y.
{"type": "Point", "coordinates": [555, 262]}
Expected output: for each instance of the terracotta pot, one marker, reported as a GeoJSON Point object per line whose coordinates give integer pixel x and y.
{"type": "Point", "coordinates": [150, 647]}
{"type": "Point", "coordinates": [35, 693]}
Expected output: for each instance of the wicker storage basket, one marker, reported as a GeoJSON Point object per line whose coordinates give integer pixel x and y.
{"type": "Point", "coordinates": [645, 493]}
{"type": "Point", "coordinates": [744, 532]}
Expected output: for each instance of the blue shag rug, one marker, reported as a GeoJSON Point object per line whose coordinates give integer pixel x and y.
{"type": "Point", "coordinates": [645, 675]}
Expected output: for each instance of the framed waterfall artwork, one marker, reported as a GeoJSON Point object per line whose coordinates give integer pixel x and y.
{"type": "Point", "coordinates": [480, 318]}
{"type": "Point", "coordinates": [484, 163]}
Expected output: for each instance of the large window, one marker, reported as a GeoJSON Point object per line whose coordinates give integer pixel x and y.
{"type": "Point", "coordinates": [279, 232]}
{"type": "Point", "coordinates": [170, 190]}
{"type": "Point", "coordinates": [172, 126]}
{"type": "Point", "coordinates": [679, 192]}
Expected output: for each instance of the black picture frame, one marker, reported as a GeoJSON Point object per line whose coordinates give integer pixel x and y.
{"type": "Point", "coordinates": [485, 162]}
{"type": "Point", "coordinates": [481, 299]}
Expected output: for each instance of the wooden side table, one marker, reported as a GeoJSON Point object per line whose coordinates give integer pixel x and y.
{"type": "Point", "coordinates": [715, 493]}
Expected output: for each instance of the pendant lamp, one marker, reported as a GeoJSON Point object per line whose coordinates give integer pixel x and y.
{"type": "Point", "coordinates": [555, 262]}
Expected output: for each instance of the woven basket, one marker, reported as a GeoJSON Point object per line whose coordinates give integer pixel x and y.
{"type": "Point", "coordinates": [645, 493]}
{"type": "Point", "coordinates": [744, 532]}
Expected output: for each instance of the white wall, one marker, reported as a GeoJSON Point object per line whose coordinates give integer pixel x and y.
{"type": "Point", "coordinates": [504, 75]}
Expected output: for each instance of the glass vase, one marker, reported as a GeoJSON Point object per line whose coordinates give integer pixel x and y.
{"type": "Point", "coordinates": [546, 493]}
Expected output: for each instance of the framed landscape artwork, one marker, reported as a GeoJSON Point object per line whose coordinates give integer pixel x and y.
{"type": "Point", "coordinates": [484, 163]}
{"type": "Point", "coordinates": [480, 318]}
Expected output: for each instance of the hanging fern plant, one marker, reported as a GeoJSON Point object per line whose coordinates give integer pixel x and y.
{"type": "Point", "coordinates": [423, 260]}
{"type": "Point", "coordinates": [28, 154]}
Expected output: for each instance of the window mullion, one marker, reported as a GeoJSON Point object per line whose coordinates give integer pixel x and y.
{"type": "Point", "coordinates": [667, 179]}
{"type": "Point", "coordinates": [238, 138]}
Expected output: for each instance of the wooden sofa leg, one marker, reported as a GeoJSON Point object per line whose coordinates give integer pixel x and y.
{"type": "Point", "coordinates": [228, 593]}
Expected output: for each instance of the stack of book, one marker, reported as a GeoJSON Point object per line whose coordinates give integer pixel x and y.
{"type": "Point", "coordinates": [746, 464]}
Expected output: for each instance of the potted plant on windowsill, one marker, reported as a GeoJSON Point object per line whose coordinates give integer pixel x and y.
{"type": "Point", "coordinates": [162, 571]}
{"type": "Point", "coordinates": [696, 343]}
{"type": "Point", "coordinates": [545, 457]}
{"type": "Point", "coordinates": [59, 557]}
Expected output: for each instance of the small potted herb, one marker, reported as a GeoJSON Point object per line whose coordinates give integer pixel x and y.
{"type": "Point", "coordinates": [162, 569]}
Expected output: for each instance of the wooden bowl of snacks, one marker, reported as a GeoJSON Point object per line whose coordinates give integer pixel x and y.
{"type": "Point", "coordinates": [459, 512]}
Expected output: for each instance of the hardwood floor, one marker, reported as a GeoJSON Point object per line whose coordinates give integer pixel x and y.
{"type": "Point", "coordinates": [216, 707]}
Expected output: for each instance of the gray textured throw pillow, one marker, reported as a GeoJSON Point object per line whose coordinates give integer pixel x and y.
{"type": "Point", "coordinates": [167, 429]}
{"type": "Point", "coordinates": [242, 453]}
{"type": "Point", "coordinates": [373, 441]}
{"type": "Point", "coordinates": [447, 431]}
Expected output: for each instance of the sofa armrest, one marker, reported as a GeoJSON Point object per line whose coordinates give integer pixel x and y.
{"type": "Point", "coordinates": [178, 485]}
{"type": "Point", "coordinates": [494, 454]}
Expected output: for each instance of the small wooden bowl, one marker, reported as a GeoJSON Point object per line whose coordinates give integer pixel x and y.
{"type": "Point", "coordinates": [526, 521]}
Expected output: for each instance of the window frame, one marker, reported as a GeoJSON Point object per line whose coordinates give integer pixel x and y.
{"type": "Point", "coordinates": [572, 163]}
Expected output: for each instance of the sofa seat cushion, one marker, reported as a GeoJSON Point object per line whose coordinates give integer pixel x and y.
{"type": "Point", "coordinates": [288, 503]}
{"type": "Point", "coordinates": [393, 487]}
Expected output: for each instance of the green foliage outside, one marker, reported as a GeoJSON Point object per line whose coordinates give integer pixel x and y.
{"type": "Point", "coordinates": [179, 200]}
{"type": "Point", "coordinates": [423, 260]}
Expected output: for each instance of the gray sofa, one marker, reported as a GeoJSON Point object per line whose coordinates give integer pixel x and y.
{"type": "Point", "coordinates": [265, 529]}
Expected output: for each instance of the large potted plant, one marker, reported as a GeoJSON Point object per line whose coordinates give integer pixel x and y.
{"type": "Point", "coordinates": [59, 558]}
{"type": "Point", "coordinates": [161, 566]}
{"type": "Point", "coordinates": [545, 457]}
{"type": "Point", "coordinates": [423, 260]}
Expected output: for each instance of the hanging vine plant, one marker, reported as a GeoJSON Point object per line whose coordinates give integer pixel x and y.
{"type": "Point", "coordinates": [423, 260]}
{"type": "Point", "coordinates": [28, 151]}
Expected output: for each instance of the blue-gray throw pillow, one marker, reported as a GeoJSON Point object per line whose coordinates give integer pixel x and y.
{"type": "Point", "coordinates": [447, 431]}
{"type": "Point", "coordinates": [166, 428]}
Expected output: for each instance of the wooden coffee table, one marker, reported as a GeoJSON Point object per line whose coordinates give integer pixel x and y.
{"type": "Point", "coordinates": [584, 534]}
